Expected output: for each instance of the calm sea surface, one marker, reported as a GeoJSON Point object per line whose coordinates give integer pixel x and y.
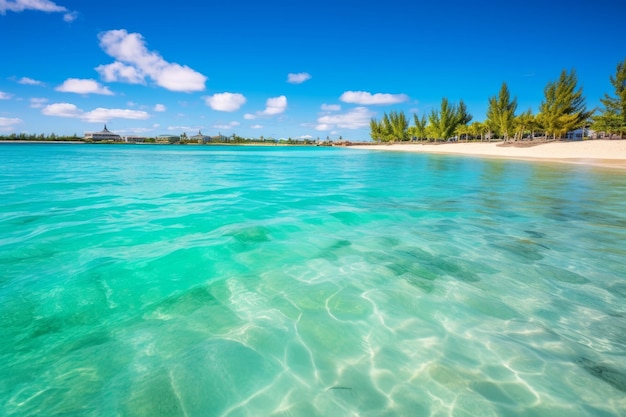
{"type": "Point", "coordinates": [268, 281]}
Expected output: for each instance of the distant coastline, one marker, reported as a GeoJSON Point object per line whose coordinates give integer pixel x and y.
{"type": "Point", "coordinates": [82, 142]}
{"type": "Point", "coordinates": [598, 152]}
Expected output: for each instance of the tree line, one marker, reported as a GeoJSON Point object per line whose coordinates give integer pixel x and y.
{"type": "Point", "coordinates": [41, 137]}
{"type": "Point", "coordinates": [562, 110]}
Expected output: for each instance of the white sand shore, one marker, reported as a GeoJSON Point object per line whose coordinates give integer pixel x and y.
{"type": "Point", "coordinates": [606, 153]}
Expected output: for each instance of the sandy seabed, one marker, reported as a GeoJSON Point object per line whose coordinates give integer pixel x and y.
{"type": "Point", "coordinates": [605, 153]}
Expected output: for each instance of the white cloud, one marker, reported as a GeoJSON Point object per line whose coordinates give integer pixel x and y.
{"type": "Point", "coordinates": [275, 105]}
{"type": "Point", "coordinates": [104, 115]}
{"type": "Point", "coordinates": [183, 128]}
{"type": "Point", "coordinates": [129, 50]}
{"type": "Point", "coordinates": [5, 96]}
{"type": "Point", "coordinates": [21, 5]}
{"type": "Point", "coordinates": [175, 77]}
{"type": "Point", "coordinates": [70, 17]}
{"type": "Point", "coordinates": [331, 107]}
{"type": "Point", "coordinates": [365, 98]}
{"type": "Point", "coordinates": [225, 101]}
{"type": "Point", "coordinates": [305, 137]}
{"type": "Point", "coordinates": [28, 81]}
{"type": "Point", "coordinates": [37, 103]}
{"type": "Point", "coordinates": [47, 6]}
{"type": "Point", "coordinates": [120, 72]}
{"type": "Point", "coordinates": [9, 121]}
{"type": "Point", "coordinates": [83, 86]}
{"type": "Point", "coordinates": [97, 115]}
{"type": "Point", "coordinates": [298, 78]}
{"type": "Point", "coordinates": [256, 127]}
{"type": "Point", "coordinates": [62, 110]}
{"type": "Point", "coordinates": [226, 126]}
{"type": "Point", "coordinates": [356, 118]}
{"type": "Point", "coordinates": [160, 107]}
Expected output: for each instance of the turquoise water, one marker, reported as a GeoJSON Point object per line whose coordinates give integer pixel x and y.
{"type": "Point", "coordinates": [246, 281]}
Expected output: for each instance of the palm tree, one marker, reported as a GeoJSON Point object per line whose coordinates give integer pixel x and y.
{"type": "Point", "coordinates": [612, 119]}
{"type": "Point", "coordinates": [524, 122]}
{"type": "Point", "coordinates": [501, 111]}
{"type": "Point", "coordinates": [420, 126]}
{"type": "Point", "coordinates": [563, 108]}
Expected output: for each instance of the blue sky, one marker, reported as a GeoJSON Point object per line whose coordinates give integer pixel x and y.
{"type": "Point", "coordinates": [287, 68]}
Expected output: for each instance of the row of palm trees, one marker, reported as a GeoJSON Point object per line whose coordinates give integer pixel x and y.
{"type": "Point", "coordinates": [563, 110]}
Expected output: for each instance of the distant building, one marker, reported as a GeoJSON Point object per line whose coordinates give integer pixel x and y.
{"type": "Point", "coordinates": [104, 135]}
{"type": "Point", "coordinates": [167, 139]}
{"type": "Point", "coordinates": [134, 139]}
{"type": "Point", "coordinates": [200, 138]}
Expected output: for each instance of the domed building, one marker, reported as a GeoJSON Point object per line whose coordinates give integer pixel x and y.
{"type": "Point", "coordinates": [103, 135]}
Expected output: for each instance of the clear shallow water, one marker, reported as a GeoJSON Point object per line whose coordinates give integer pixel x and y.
{"type": "Point", "coordinates": [187, 281]}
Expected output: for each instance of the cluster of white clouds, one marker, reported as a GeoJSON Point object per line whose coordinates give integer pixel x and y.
{"type": "Point", "coordinates": [356, 118]}
{"type": "Point", "coordinates": [101, 115]}
{"type": "Point", "coordinates": [38, 5]}
{"type": "Point", "coordinates": [135, 63]}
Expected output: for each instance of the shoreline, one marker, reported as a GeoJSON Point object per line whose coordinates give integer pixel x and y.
{"type": "Point", "coordinates": [598, 152]}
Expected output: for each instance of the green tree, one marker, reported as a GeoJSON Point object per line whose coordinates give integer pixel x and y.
{"type": "Point", "coordinates": [376, 132]}
{"type": "Point", "coordinates": [393, 126]}
{"type": "Point", "coordinates": [420, 126]}
{"type": "Point", "coordinates": [612, 119]}
{"type": "Point", "coordinates": [462, 115]}
{"type": "Point", "coordinates": [462, 132]}
{"type": "Point", "coordinates": [399, 125]}
{"type": "Point", "coordinates": [525, 122]}
{"type": "Point", "coordinates": [444, 121]}
{"type": "Point", "coordinates": [501, 112]}
{"type": "Point", "coordinates": [386, 128]}
{"type": "Point", "coordinates": [563, 108]}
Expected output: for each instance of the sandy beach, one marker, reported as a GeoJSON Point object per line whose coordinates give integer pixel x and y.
{"type": "Point", "coordinates": [604, 153]}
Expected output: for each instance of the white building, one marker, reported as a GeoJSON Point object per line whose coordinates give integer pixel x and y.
{"type": "Point", "coordinates": [134, 139]}
{"type": "Point", "coordinates": [200, 138]}
{"type": "Point", "coordinates": [580, 134]}
{"type": "Point", "coordinates": [103, 135]}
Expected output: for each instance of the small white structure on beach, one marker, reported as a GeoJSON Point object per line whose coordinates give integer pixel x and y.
{"type": "Point", "coordinates": [579, 134]}
{"type": "Point", "coordinates": [103, 135]}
